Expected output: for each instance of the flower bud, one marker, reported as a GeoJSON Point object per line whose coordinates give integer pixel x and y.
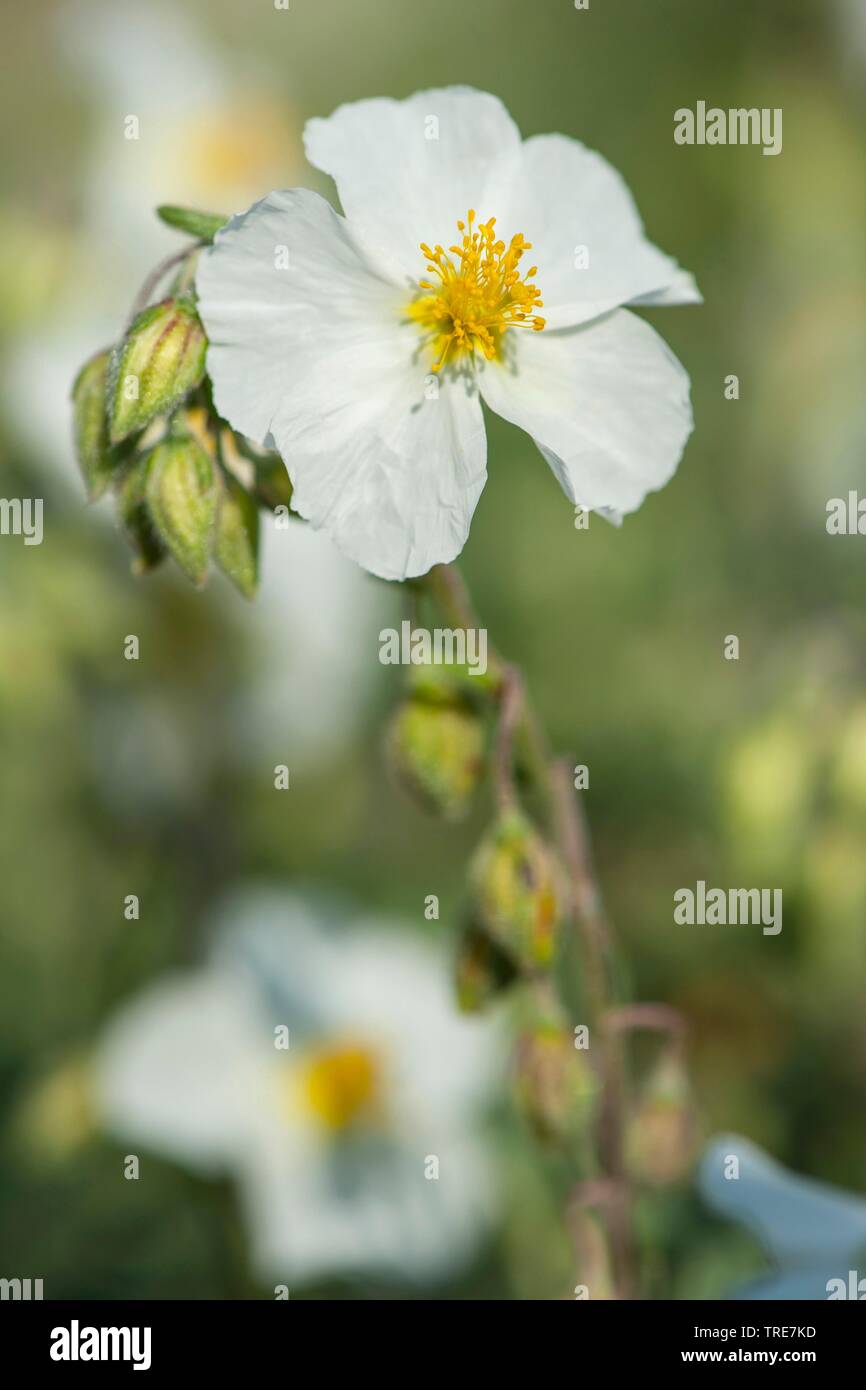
{"type": "Point", "coordinates": [182, 494]}
{"type": "Point", "coordinates": [159, 361]}
{"type": "Point", "coordinates": [661, 1139]}
{"type": "Point", "coordinates": [554, 1083]}
{"type": "Point", "coordinates": [147, 548]}
{"type": "Point", "coordinates": [517, 887]}
{"type": "Point", "coordinates": [481, 971]}
{"type": "Point", "coordinates": [237, 538]}
{"type": "Point", "coordinates": [90, 425]}
{"type": "Point", "coordinates": [437, 750]}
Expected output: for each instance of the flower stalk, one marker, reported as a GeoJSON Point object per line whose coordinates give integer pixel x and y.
{"type": "Point", "coordinates": [521, 742]}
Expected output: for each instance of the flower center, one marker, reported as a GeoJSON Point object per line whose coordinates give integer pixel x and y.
{"type": "Point", "coordinates": [479, 293]}
{"type": "Point", "coordinates": [341, 1084]}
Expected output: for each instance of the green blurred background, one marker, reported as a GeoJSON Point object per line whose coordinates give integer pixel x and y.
{"type": "Point", "coordinates": [156, 777]}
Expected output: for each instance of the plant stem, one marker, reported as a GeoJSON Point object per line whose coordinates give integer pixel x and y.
{"type": "Point", "coordinates": [519, 723]}
{"type": "Point", "coordinates": [143, 298]}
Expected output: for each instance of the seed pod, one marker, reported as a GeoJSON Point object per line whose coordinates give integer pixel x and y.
{"type": "Point", "coordinates": [437, 750]}
{"type": "Point", "coordinates": [517, 887]}
{"type": "Point", "coordinates": [160, 360]}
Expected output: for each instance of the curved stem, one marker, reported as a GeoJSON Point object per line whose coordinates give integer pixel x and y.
{"type": "Point", "coordinates": [159, 272]}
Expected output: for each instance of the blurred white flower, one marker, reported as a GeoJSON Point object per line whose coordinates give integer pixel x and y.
{"type": "Point", "coordinates": [202, 141]}
{"type": "Point", "coordinates": [332, 1141]}
{"type": "Point", "coordinates": [362, 346]}
{"type": "Point", "coordinates": [316, 620]}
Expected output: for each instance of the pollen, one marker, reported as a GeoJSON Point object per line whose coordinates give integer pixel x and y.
{"type": "Point", "coordinates": [478, 292]}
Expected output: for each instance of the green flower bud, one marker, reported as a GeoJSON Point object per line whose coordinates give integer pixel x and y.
{"type": "Point", "coordinates": [481, 971]}
{"type": "Point", "coordinates": [237, 538]}
{"type": "Point", "coordinates": [662, 1135]}
{"type": "Point", "coordinates": [148, 550]}
{"type": "Point", "coordinates": [516, 882]}
{"type": "Point", "coordinates": [438, 753]}
{"type": "Point", "coordinates": [90, 424]}
{"type": "Point", "coordinates": [160, 360]}
{"type": "Point", "coordinates": [202, 225]}
{"type": "Point", "coordinates": [183, 493]}
{"type": "Point", "coordinates": [555, 1085]}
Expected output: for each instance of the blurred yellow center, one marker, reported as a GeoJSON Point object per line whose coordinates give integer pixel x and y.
{"type": "Point", "coordinates": [240, 147]}
{"type": "Point", "coordinates": [341, 1084]}
{"type": "Point", "coordinates": [477, 295]}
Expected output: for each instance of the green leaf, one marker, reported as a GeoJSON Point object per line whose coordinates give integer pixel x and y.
{"type": "Point", "coordinates": [161, 359]}
{"type": "Point", "coordinates": [182, 496]}
{"type": "Point", "coordinates": [90, 423]}
{"type": "Point", "coordinates": [148, 550]}
{"type": "Point", "coordinates": [237, 538]}
{"type": "Point", "coordinates": [202, 225]}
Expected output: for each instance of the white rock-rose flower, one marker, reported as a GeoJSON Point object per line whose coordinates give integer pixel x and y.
{"type": "Point", "coordinates": [469, 265]}
{"type": "Point", "coordinates": [357, 1147]}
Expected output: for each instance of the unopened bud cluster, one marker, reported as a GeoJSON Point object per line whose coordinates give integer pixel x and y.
{"type": "Point", "coordinates": [185, 484]}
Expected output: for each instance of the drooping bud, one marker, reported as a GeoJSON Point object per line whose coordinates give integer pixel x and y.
{"type": "Point", "coordinates": [437, 749]}
{"type": "Point", "coordinates": [482, 971]}
{"type": "Point", "coordinates": [147, 548]}
{"type": "Point", "coordinates": [160, 360]}
{"type": "Point", "coordinates": [237, 538]}
{"type": "Point", "coordinates": [90, 423]}
{"type": "Point", "coordinates": [182, 494]}
{"type": "Point", "coordinates": [201, 225]}
{"type": "Point", "coordinates": [517, 886]}
{"type": "Point", "coordinates": [661, 1140]}
{"type": "Point", "coordinates": [555, 1084]}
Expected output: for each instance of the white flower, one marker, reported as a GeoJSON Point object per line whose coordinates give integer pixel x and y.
{"type": "Point", "coordinates": [331, 1141]}
{"type": "Point", "coordinates": [362, 346]}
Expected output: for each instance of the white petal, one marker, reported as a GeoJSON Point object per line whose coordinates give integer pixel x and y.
{"type": "Point", "coordinates": [366, 1208]}
{"type": "Point", "coordinates": [285, 278]}
{"type": "Point", "coordinates": [443, 1066]}
{"type": "Point", "coordinates": [572, 205]}
{"type": "Point", "coordinates": [407, 170]}
{"type": "Point", "coordinates": [182, 1068]}
{"type": "Point", "coordinates": [388, 459]}
{"type": "Point", "coordinates": [607, 405]}
{"type": "Point", "coordinates": [319, 360]}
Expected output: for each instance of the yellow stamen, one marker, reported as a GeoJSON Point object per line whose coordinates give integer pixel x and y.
{"type": "Point", "coordinates": [341, 1084]}
{"type": "Point", "coordinates": [480, 293]}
